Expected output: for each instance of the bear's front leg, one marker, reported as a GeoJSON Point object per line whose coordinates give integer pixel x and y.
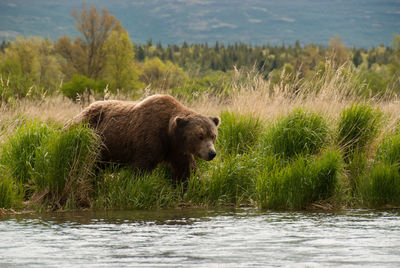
{"type": "Point", "coordinates": [182, 166]}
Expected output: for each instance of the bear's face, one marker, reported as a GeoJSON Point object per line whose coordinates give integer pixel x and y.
{"type": "Point", "coordinates": [198, 134]}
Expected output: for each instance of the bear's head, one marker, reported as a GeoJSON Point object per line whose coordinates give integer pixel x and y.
{"type": "Point", "coordinates": [196, 134]}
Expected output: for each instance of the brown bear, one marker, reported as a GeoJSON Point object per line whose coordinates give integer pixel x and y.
{"type": "Point", "coordinates": [157, 129]}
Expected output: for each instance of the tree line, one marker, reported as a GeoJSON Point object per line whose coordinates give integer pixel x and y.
{"type": "Point", "coordinates": [103, 58]}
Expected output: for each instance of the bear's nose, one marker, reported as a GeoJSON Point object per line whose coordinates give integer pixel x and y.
{"type": "Point", "coordinates": [211, 154]}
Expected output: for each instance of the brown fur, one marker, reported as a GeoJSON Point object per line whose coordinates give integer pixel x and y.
{"type": "Point", "coordinates": [157, 129]}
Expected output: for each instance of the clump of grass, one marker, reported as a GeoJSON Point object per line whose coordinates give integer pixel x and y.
{"type": "Point", "coordinates": [300, 132]}
{"type": "Point", "coordinates": [381, 187]}
{"type": "Point", "coordinates": [389, 150]}
{"type": "Point", "coordinates": [64, 167]}
{"type": "Point", "coordinates": [357, 166]}
{"type": "Point", "coordinates": [358, 126]}
{"type": "Point", "coordinates": [10, 196]}
{"type": "Point", "coordinates": [129, 189]}
{"type": "Point", "coordinates": [19, 151]}
{"type": "Point", "coordinates": [230, 180]}
{"type": "Point", "coordinates": [302, 182]}
{"type": "Point", "coordinates": [238, 133]}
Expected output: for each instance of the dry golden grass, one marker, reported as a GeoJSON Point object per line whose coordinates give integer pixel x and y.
{"type": "Point", "coordinates": [328, 94]}
{"type": "Point", "coordinates": [55, 108]}
{"type": "Point", "coordinates": [256, 96]}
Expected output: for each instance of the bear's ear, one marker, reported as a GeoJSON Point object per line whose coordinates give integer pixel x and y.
{"type": "Point", "coordinates": [181, 121]}
{"type": "Point", "coordinates": [216, 120]}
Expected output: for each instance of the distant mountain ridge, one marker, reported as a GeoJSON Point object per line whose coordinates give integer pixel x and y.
{"type": "Point", "coordinates": [360, 23]}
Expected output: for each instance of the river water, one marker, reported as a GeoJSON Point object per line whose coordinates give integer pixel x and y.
{"type": "Point", "coordinates": [201, 238]}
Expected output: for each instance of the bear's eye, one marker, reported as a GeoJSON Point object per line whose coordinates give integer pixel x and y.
{"type": "Point", "coordinates": [201, 137]}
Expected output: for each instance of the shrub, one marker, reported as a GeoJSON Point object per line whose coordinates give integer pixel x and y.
{"type": "Point", "coordinates": [375, 83]}
{"type": "Point", "coordinates": [358, 126]}
{"type": "Point", "coordinates": [216, 84]}
{"type": "Point", "coordinates": [64, 166]}
{"type": "Point", "coordinates": [299, 132]}
{"type": "Point", "coordinates": [79, 84]}
{"type": "Point", "coordinates": [238, 134]}
{"type": "Point", "coordinates": [161, 75]}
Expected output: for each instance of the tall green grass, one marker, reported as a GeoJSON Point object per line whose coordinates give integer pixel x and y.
{"type": "Point", "coordinates": [10, 195]}
{"type": "Point", "coordinates": [381, 185]}
{"type": "Point", "coordinates": [230, 181]}
{"type": "Point", "coordinates": [289, 164]}
{"type": "Point", "coordinates": [64, 167]}
{"type": "Point", "coordinates": [301, 182]}
{"type": "Point", "coordinates": [18, 153]}
{"type": "Point", "coordinates": [389, 150]}
{"type": "Point", "coordinates": [358, 126]}
{"type": "Point", "coordinates": [238, 133]}
{"type": "Point", "coordinates": [129, 189]}
{"type": "Point", "coordinates": [300, 132]}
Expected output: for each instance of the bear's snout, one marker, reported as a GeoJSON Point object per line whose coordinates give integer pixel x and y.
{"type": "Point", "coordinates": [211, 155]}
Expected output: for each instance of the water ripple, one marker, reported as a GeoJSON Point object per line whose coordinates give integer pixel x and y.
{"type": "Point", "coordinates": [199, 238]}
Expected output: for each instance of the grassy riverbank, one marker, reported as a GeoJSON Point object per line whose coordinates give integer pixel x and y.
{"type": "Point", "coordinates": [300, 160]}
{"type": "Point", "coordinates": [297, 146]}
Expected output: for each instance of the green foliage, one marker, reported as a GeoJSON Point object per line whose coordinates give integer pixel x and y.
{"type": "Point", "coordinates": [19, 151]}
{"type": "Point", "coordinates": [358, 126]}
{"type": "Point", "coordinates": [389, 150]}
{"type": "Point", "coordinates": [214, 84]}
{"type": "Point", "coordinates": [227, 181]}
{"type": "Point", "coordinates": [86, 55]}
{"type": "Point", "coordinates": [31, 67]}
{"type": "Point", "coordinates": [300, 132]}
{"type": "Point", "coordinates": [337, 52]}
{"type": "Point", "coordinates": [129, 189]}
{"type": "Point", "coordinates": [10, 195]}
{"type": "Point", "coordinates": [300, 183]}
{"type": "Point", "coordinates": [238, 134]}
{"type": "Point", "coordinates": [80, 84]}
{"type": "Point", "coordinates": [120, 70]}
{"type": "Point", "coordinates": [357, 166]}
{"type": "Point", "coordinates": [381, 186]}
{"type": "Point", "coordinates": [161, 75]}
{"type": "Point", "coordinates": [376, 83]}
{"type": "Point", "coordinates": [64, 167]}
{"type": "Point", "coordinates": [285, 76]}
